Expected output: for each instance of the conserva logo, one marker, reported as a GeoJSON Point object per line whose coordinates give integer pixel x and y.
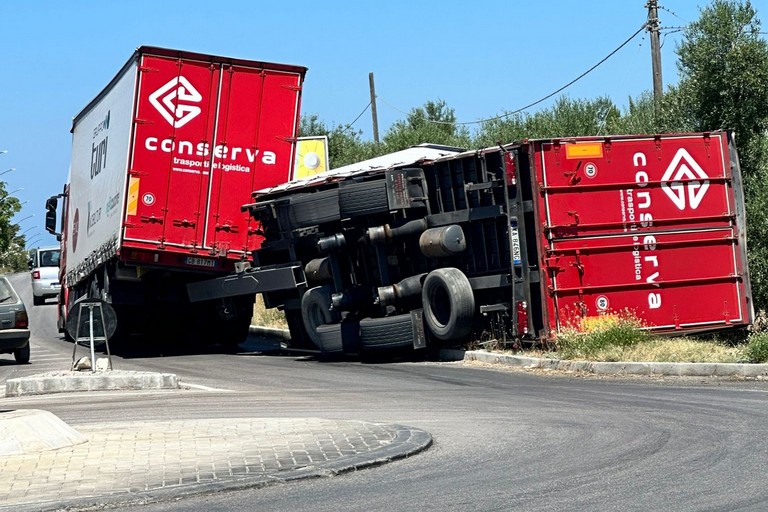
{"type": "Point", "coordinates": [174, 101]}
{"type": "Point", "coordinates": [684, 181]}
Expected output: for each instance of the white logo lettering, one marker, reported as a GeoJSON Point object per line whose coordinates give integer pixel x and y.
{"type": "Point", "coordinates": [684, 167]}
{"type": "Point", "coordinates": [167, 100]}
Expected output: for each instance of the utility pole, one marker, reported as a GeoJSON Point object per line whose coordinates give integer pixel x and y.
{"type": "Point", "coordinates": [653, 29]}
{"type": "Point", "coordinates": [373, 109]}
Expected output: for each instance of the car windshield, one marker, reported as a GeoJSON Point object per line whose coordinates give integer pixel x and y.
{"type": "Point", "coordinates": [49, 258]}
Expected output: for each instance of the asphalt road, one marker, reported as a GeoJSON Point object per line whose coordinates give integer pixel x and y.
{"type": "Point", "coordinates": [503, 440]}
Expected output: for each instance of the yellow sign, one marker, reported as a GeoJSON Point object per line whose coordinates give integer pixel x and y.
{"type": "Point", "coordinates": [311, 157]}
{"type": "Point", "coordinates": [584, 150]}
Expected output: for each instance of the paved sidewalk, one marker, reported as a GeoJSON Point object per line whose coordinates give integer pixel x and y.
{"type": "Point", "coordinates": [135, 462]}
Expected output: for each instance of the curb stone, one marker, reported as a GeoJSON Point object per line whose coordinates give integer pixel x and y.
{"type": "Point", "coordinates": [614, 368]}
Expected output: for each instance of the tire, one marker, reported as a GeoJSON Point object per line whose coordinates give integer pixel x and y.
{"type": "Point", "coordinates": [316, 311]}
{"type": "Point", "coordinates": [22, 354]}
{"type": "Point", "coordinates": [299, 337]}
{"type": "Point", "coordinates": [341, 338]}
{"type": "Point", "coordinates": [449, 304]}
{"type": "Point", "coordinates": [388, 333]}
{"type": "Point", "coordinates": [38, 301]}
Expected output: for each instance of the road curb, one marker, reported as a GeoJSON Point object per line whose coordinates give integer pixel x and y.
{"type": "Point", "coordinates": [613, 368]}
{"type": "Point", "coordinates": [269, 331]}
{"type": "Point", "coordinates": [72, 381]}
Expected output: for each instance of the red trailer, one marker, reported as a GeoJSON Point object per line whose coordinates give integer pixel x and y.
{"type": "Point", "coordinates": [515, 242]}
{"type": "Point", "coordinates": [162, 160]}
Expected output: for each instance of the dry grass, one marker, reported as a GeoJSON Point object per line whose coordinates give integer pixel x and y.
{"type": "Point", "coordinates": [666, 350]}
{"type": "Point", "coordinates": [264, 317]}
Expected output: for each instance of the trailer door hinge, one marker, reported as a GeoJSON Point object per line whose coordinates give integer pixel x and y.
{"type": "Point", "coordinates": [229, 228]}
{"type": "Point", "coordinates": [151, 220]}
{"type": "Point", "coordinates": [551, 264]}
{"type": "Point", "coordinates": [184, 223]}
{"type": "Point", "coordinates": [294, 88]}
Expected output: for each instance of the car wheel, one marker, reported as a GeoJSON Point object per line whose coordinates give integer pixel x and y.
{"type": "Point", "coordinates": [387, 333]}
{"type": "Point", "coordinates": [38, 301]}
{"type": "Point", "coordinates": [449, 303]}
{"type": "Point", "coordinates": [316, 311]}
{"type": "Point", "coordinates": [22, 354]}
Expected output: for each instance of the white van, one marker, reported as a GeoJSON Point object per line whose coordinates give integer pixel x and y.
{"type": "Point", "coordinates": [44, 266]}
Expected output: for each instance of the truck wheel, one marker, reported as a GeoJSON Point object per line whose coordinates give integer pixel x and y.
{"type": "Point", "coordinates": [316, 311]}
{"type": "Point", "coordinates": [341, 338]}
{"type": "Point", "coordinates": [22, 354]}
{"type": "Point", "coordinates": [449, 303]}
{"type": "Point", "coordinates": [387, 333]}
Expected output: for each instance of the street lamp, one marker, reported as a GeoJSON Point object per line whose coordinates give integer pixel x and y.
{"type": "Point", "coordinates": [9, 170]}
{"type": "Point", "coordinates": [25, 218]}
{"type": "Point", "coordinates": [17, 190]}
{"type": "Point", "coordinates": [28, 230]}
{"type": "Point", "coordinates": [3, 151]}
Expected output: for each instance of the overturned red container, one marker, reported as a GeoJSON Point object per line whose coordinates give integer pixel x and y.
{"type": "Point", "coordinates": [648, 226]}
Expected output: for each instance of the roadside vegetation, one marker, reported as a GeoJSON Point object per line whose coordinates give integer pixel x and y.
{"type": "Point", "coordinates": [264, 317]}
{"type": "Point", "coordinates": [622, 338]}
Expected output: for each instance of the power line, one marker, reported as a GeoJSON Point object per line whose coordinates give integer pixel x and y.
{"type": "Point", "coordinates": [508, 114]}
{"type": "Point", "coordinates": [672, 13]}
{"type": "Point", "coordinates": [358, 116]}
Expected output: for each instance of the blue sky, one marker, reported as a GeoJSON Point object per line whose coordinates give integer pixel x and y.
{"type": "Point", "coordinates": [482, 60]}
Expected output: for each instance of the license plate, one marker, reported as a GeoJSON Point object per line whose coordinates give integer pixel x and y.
{"type": "Point", "coordinates": [200, 262]}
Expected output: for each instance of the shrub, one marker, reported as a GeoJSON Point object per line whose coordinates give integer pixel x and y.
{"type": "Point", "coordinates": [598, 335]}
{"type": "Point", "coordinates": [756, 350]}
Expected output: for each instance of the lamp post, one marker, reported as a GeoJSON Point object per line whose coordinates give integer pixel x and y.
{"type": "Point", "coordinates": [8, 170]}
{"type": "Point", "coordinates": [27, 230]}
{"type": "Point", "coordinates": [17, 190]}
{"type": "Point", "coordinates": [25, 218]}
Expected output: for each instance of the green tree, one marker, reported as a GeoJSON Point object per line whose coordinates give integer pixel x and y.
{"type": "Point", "coordinates": [723, 64]}
{"type": "Point", "coordinates": [435, 123]}
{"type": "Point", "coordinates": [11, 242]}
{"type": "Point", "coordinates": [566, 118]}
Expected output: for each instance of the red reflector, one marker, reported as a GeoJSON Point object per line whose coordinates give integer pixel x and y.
{"type": "Point", "coordinates": [511, 168]}
{"type": "Point", "coordinates": [522, 318]}
{"type": "Point", "coordinates": [22, 321]}
{"type": "Point", "coordinates": [36, 274]}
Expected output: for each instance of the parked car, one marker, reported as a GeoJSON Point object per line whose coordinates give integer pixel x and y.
{"type": "Point", "coordinates": [44, 265]}
{"type": "Point", "coordinates": [14, 323]}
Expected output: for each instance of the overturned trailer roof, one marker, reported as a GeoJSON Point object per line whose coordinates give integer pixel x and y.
{"type": "Point", "coordinates": [412, 156]}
